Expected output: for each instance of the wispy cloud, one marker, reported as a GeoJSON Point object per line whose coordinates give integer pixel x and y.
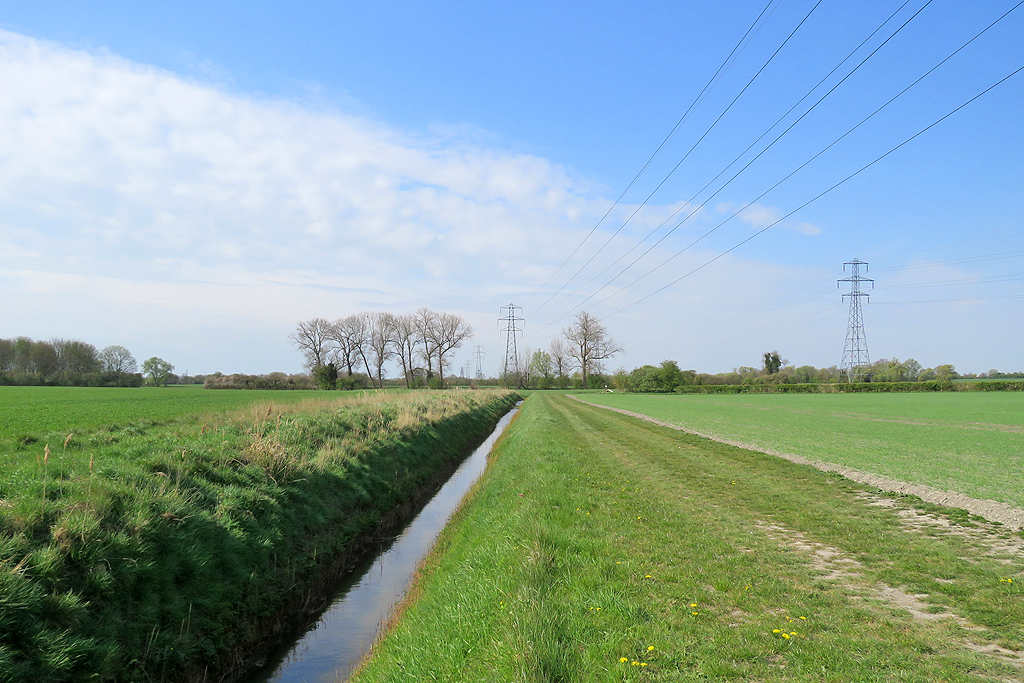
{"type": "Point", "coordinates": [111, 171]}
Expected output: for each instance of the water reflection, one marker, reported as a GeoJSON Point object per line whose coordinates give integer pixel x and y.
{"type": "Point", "coordinates": [332, 648]}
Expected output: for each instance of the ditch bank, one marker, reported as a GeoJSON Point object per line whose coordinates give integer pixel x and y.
{"type": "Point", "coordinates": [198, 570]}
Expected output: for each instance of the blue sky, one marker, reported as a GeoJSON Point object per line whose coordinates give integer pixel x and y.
{"type": "Point", "coordinates": [190, 180]}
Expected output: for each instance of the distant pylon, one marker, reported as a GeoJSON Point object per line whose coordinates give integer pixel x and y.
{"type": "Point", "coordinates": [511, 354]}
{"type": "Point", "coordinates": [478, 356]}
{"type": "Point", "coordinates": [855, 353]}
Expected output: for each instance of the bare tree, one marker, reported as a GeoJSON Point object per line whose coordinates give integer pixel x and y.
{"type": "Point", "coordinates": [407, 341]}
{"type": "Point", "coordinates": [343, 353]}
{"type": "Point", "coordinates": [524, 368]}
{"type": "Point", "coordinates": [450, 330]}
{"type": "Point", "coordinates": [358, 328]}
{"type": "Point", "coordinates": [118, 359]}
{"type": "Point", "coordinates": [589, 343]}
{"type": "Point", "coordinates": [314, 339]}
{"type": "Point", "coordinates": [559, 359]}
{"type": "Point", "coordinates": [381, 341]}
{"type": "Point", "coordinates": [427, 324]}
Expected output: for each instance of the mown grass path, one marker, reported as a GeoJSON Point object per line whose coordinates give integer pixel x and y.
{"type": "Point", "coordinates": [599, 547]}
{"type": "Point", "coordinates": [968, 442]}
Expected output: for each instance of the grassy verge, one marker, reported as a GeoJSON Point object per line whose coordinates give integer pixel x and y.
{"type": "Point", "coordinates": [969, 442]}
{"type": "Point", "coordinates": [167, 553]}
{"type": "Point", "coordinates": [602, 548]}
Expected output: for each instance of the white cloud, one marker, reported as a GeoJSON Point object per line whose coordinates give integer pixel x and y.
{"type": "Point", "coordinates": [111, 169]}
{"type": "Point", "coordinates": [760, 216]}
{"type": "Point", "coordinates": [142, 208]}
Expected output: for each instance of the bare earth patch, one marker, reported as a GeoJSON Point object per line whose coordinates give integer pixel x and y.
{"type": "Point", "coordinates": [837, 567]}
{"type": "Point", "coordinates": [994, 511]}
{"type": "Point", "coordinates": [834, 566]}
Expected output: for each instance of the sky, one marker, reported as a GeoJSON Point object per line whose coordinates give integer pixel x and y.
{"type": "Point", "coordinates": [192, 179]}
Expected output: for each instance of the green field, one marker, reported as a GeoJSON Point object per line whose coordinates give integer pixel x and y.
{"type": "Point", "coordinates": [170, 547]}
{"type": "Point", "coordinates": [968, 442]}
{"type": "Point", "coordinates": [599, 547]}
{"type": "Point", "coordinates": [36, 412]}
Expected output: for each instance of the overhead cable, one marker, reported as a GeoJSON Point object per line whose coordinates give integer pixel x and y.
{"type": "Point", "coordinates": [741, 154]}
{"type": "Point", "coordinates": [700, 96]}
{"type": "Point", "coordinates": [685, 156]}
{"type": "Point", "coordinates": [824, 192]}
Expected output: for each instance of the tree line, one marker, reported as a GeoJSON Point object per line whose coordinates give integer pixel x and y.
{"type": "Point", "coordinates": [70, 362]}
{"type": "Point", "coordinates": [334, 351]}
{"type": "Point", "coordinates": [422, 343]}
{"type": "Point", "coordinates": [777, 370]}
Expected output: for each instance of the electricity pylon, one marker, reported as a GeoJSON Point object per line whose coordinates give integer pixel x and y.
{"type": "Point", "coordinates": [478, 356]}
{"type": "Point", "coordinates": [510, 330]}
{"type": "Point", "coordinates": [855, 353]}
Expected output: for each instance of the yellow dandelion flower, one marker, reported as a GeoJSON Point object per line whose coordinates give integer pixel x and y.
{"type": "Point", "coordinates": [635, 663]}
{"type": "Point", "coordinates": [804, 618]}
{"type": "Point", "coordinates": [623, 659]}
{"type": "Point", "coordinates": [792, 633]}
{"type": "Point", "coordinates": [776, 630]}
{"type": "Point", "coordinates": [786, 636]}
{"type": "Point", "coordinates": [648, 576]}
{"type": "Point", "coordinates": [643, 663]}
{"type": "Point", "coordinates": [693, 604]}
{"type": "Point", "coordinates": [650, 648]}
{"type": "Point", "coordinates": [693, 613]}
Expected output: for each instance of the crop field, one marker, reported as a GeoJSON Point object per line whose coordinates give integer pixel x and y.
{"type": "Point", "coordinates": [600, 547]}
{"type": "Point", "coordinates": [968, 442]}
{"type": "Point", "coordinates": [34, 412]}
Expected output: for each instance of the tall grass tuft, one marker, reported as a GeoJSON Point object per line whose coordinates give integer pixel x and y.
{"type": "Point", "coordinates": [166, 552]}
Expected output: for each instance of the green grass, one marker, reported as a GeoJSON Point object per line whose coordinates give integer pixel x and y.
{"type": "Point", "coordinates": [969, 442]}
{"type": "Point", "coordinates": [167, 552]}
{"type": "Point", "coordinates": [36, 412]}
{"type": "Point", "coordinates": [598, 547]}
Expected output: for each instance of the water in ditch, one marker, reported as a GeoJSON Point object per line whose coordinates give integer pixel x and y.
{"type": "Point", "coordinates": [330, 650]}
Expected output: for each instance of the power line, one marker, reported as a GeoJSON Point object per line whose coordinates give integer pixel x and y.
{"type": "Point", "coordinates": [821, 194]}
{"type": "Point", "coordinates": [803, 165]}
{"type": "Point", "coordinates": [958, 261]}
{"type": "Point", "coordinates": [685, 156]}
{"type": "Point", "coordinates": [478, 358]}
{"type": "Point", "coordinates": [984, 280]}
{"type": "Point", "coordinates": [740, 156]}
{"type": "Point", "coordinates": [948, 301]}
{"type": "Point", "coordinates": [511, 330]}
{"type": "Point", "coordinates": [855, 352]}
{"type": "Point", "coordinates": [700, 97]}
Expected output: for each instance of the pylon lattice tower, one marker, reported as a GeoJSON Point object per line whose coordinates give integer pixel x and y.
{"type": "Point", "coordinates": [855, 353]}
{"type": "Point", "coordinates": [478, 356]}
{"type": "Point", "coordinates": [511, 329]}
